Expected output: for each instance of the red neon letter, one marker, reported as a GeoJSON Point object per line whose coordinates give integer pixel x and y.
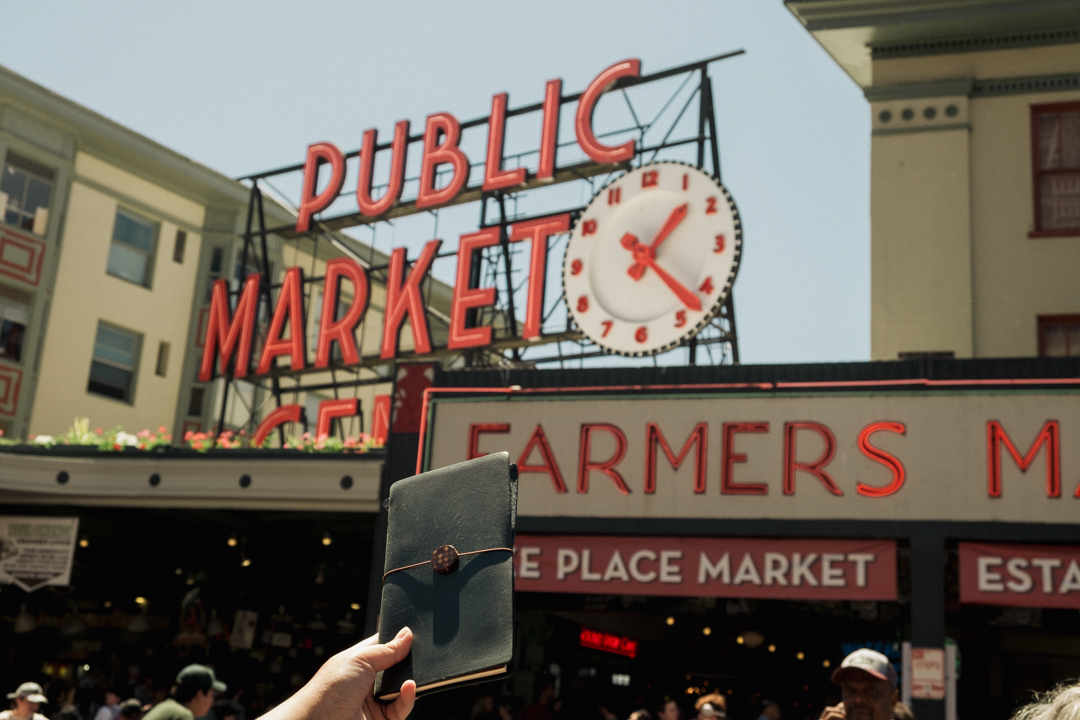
{"type": "Point", "coordinates": [466, 298]}
{"type": "Point", "coordinates": [996, 436]}
{"type": "Point", "coordinates": [495, 178]}
{"type": "Point", "coordinates": [728, 486]}
{"type": "Point", "coordinates": [436, 154]}
{"type": "Point", "coordinates": [341, 331]}
{"type": "Point", "coordinates": [330, 409]}
{"type": "Point", "coordinates": [290, 308]}
{"type": "Point", "coordinates": [225, 333]}
{"type": "Point", "coordinates": [587, 104]}
{"type": "Point", "coordinates": [403, 297]}
{"type": "Point", "coordinates": [374, 208]}
{"type": "Point", "coordinates": [380, 420]}
{"type": "Point", "coordinates": [284, 414]}
{"type": "Point", "coordinates": [653, 436]}
{"type": "Point", "coordinates": [537, 231]}
{"type": "Point", "coordinates": [586, 464]}
{"type": "Point", "coordinates": [476, 430]}
{"type": "Point", "coordinates": [791, 465]}
{"type": "Point", "coordinates": [550, 467]}
{"type": "Point", "coordinates": [549, 132]}
{"type": "Point", "coordinates": [310, 203]}
{"type": "Point", "coordinates": [878, 455]}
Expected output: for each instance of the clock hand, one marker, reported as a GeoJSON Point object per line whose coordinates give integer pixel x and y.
{"type": "Point", "coordinates": [642, 255]}
{"type": "Point", "coordinates": [638, 269]}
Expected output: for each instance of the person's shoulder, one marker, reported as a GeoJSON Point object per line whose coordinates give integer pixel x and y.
{"type": "Point", "coordinates": [169, 709]}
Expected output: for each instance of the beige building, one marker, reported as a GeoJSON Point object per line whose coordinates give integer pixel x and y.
{"type": "Point", "coordinates": [108, 248]}
{"type": "Point", "coordinates": [975, 170]}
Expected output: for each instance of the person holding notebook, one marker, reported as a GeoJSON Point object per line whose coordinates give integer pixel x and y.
{"type": "Point", "coordinates": [343, 687]}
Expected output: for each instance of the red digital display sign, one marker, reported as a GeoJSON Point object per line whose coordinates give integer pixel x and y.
{"type": "Point", "coordinates": [618, 644]}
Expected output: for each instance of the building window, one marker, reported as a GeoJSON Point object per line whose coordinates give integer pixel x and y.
{"type": "Point", "coordinates": [132, 252]}
{"type": "Point", "coordinates": [161, 367]}
{"type": "Point", "coordinates": [195, 401]}
{"type": "Point", "coordinates": [26, 188]}
{"type": "Point", "coordinates": [112, 372]}
{"type": "Point", "coordinates": [1059, 336]}
{"type": "Point", "coordinates": [178, 247]}
{"type": "Point", "coordinates": [14, 315]}
{"type": "Point", "coordinates": [1055, 131]}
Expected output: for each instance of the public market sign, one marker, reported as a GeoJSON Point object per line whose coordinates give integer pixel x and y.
{"type": "Point", "coordinates": [37, 551]}
{"type": "Point", "coordinates": [651, 260]}
{"type": "Point", "coordinates": [1004, 455]}
{"type": "Point", "coordinates": [707, 567]}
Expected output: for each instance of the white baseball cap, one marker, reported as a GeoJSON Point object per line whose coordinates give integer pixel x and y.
{"type": "Point", "coordinates": [866, 661]}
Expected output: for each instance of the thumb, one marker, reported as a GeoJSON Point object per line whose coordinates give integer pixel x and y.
{"type": "Point", "coordinates": [380, 657]}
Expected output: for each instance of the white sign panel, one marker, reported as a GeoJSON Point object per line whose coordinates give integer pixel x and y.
{"type": "Point", "coordinates": [37, 551]}
{"type": "Point", "coordinates": [927, 673]}
{"type": "Point", "coordinates": [1003, 455]}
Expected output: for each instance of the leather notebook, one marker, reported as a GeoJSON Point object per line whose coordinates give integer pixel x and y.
{"type": "Point", "coordinates": [449, 575]}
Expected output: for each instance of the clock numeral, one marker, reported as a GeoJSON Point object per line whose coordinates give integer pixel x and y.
{"type": "Point", "coordinates": [707, 286]}
{"type": "Point", "coordinates": [685, 182]}
{"type": "Point", "coordinates": [719, 244]}
{"type": "Point", "coordinates": [583, 303]}
{"type": "Point", "coordinates": [589, 228]}
{"type": "Point", "coordinates": [710, 206]}
{"type": "Point", "coordinates": [614, 196]}
{"type": "Point", "coordinates": [680, 318]}
{"type": "Point", "coordinates": [650, 178]}
{"type": "Point", "coordinates": [607, 327]}
{"type": "Point", "coordinates": [642, 334]}
{"type": "Point", "coordinates": [575, 267]}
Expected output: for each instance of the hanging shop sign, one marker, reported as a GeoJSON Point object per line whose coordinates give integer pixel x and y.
{"type": "Point", "coordinates": [37, 551]}
{"type": "Point", "coordinates": [607, 642]}
{"type": "Point", "coordinates": [1020, 575]}
{"type": "Point", "coordinates": [651, 258]}
{"type": "Point", "coordinates": [1006, 455]}
{"type": "Point", "coordinates": [805, 569]}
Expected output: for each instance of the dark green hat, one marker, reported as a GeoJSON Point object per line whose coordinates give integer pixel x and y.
{"type": "Point", "coordinates": [200, 676]}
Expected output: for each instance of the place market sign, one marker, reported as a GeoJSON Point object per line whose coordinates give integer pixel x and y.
{"type": "Point", "coordinates": [653, 256]}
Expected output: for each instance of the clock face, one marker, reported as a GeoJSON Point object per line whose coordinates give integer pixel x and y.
{"type": "Point", "coordinates": [652, 258]}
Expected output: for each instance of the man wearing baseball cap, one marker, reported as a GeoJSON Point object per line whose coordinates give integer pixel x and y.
{"type": "Point", "coordinates": [867, 688]}
{"type": "Point", "coordinates": [27, 699]}
{"type": "Point", "coordinates": [192, 696]}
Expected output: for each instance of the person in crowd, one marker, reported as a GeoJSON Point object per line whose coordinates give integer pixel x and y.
{"type": "Point", "coordinates": [483, 708]}
{"type": "Point", "coordinates": [713, 705]}
{"type": "Point", "coordinates": [28, 698]}
{"type": "Point", "coordinates": [228, 710]}
{"type": "Point", "coordinates": [543, 708]}
{"type": "Point", "coordinates": [1061, 703]}
{"type": "Point", "coordinates": [867, 688]}
{"type": "Point", "coordinates": [68, 712]}
{"type": "Point", "coordinates": [131, 709]}
{"type": "Point", "coordinates": [111, 709]}
{"type": "Point", "coordinates": [665, 708]}
{"type": "Point", "coordinates": [641, 714]}
{"type": "Point", "coordinates": [769, 710]}
{"type": "Point", "coordinates": [902, 712]}
{"type": "Point", "coordinates": [192, 697]}
{"type": "Point", "coordinates": [508, 707]}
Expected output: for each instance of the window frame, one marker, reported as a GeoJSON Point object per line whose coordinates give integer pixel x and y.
{"type": "Point", "coordinates": [151, 255]}
{"type": "Point", "coordinates": [1036, 171]}
{"type": "Point", "coordinates": [136, 362]}
{"type": "Point", "coordinates": [1045, 321]}
{"type": "Point", "coordinates": [31, 157]}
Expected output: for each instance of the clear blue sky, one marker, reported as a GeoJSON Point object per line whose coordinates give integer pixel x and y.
{"type": "Point", "coordinates": [246, 86]}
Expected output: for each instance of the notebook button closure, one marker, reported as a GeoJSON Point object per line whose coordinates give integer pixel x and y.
{"type": "Point", "coordinates": [444, 559]}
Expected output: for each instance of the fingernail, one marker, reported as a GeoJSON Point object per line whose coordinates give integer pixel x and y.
{"type": "Point", "coordinates": [401, 632]}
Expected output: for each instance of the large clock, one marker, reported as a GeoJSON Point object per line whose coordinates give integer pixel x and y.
{"type": "Point", "coordinates": [651, 258]}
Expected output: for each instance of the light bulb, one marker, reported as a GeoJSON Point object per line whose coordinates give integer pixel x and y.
{"type": "Point", "coordinates": [84, 542]}
{"type": "Point", "coordinates": [706, 631]}
{"type": "Point", "coordinates": [740, 640]}
{"type": "Point", "coordinates": [670, 620]}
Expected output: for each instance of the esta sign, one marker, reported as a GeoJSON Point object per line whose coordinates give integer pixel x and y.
{"type": "Point", "coordinates": [646, 298]}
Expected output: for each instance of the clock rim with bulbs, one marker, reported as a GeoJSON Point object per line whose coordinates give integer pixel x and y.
{"type": "Point", "coordinates": [726, 204]}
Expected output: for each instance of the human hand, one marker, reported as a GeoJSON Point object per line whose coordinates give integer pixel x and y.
{"type": "Point", "coordinates": [343, 687]}
{"type": "Point", "coordinates": [836, 712]}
